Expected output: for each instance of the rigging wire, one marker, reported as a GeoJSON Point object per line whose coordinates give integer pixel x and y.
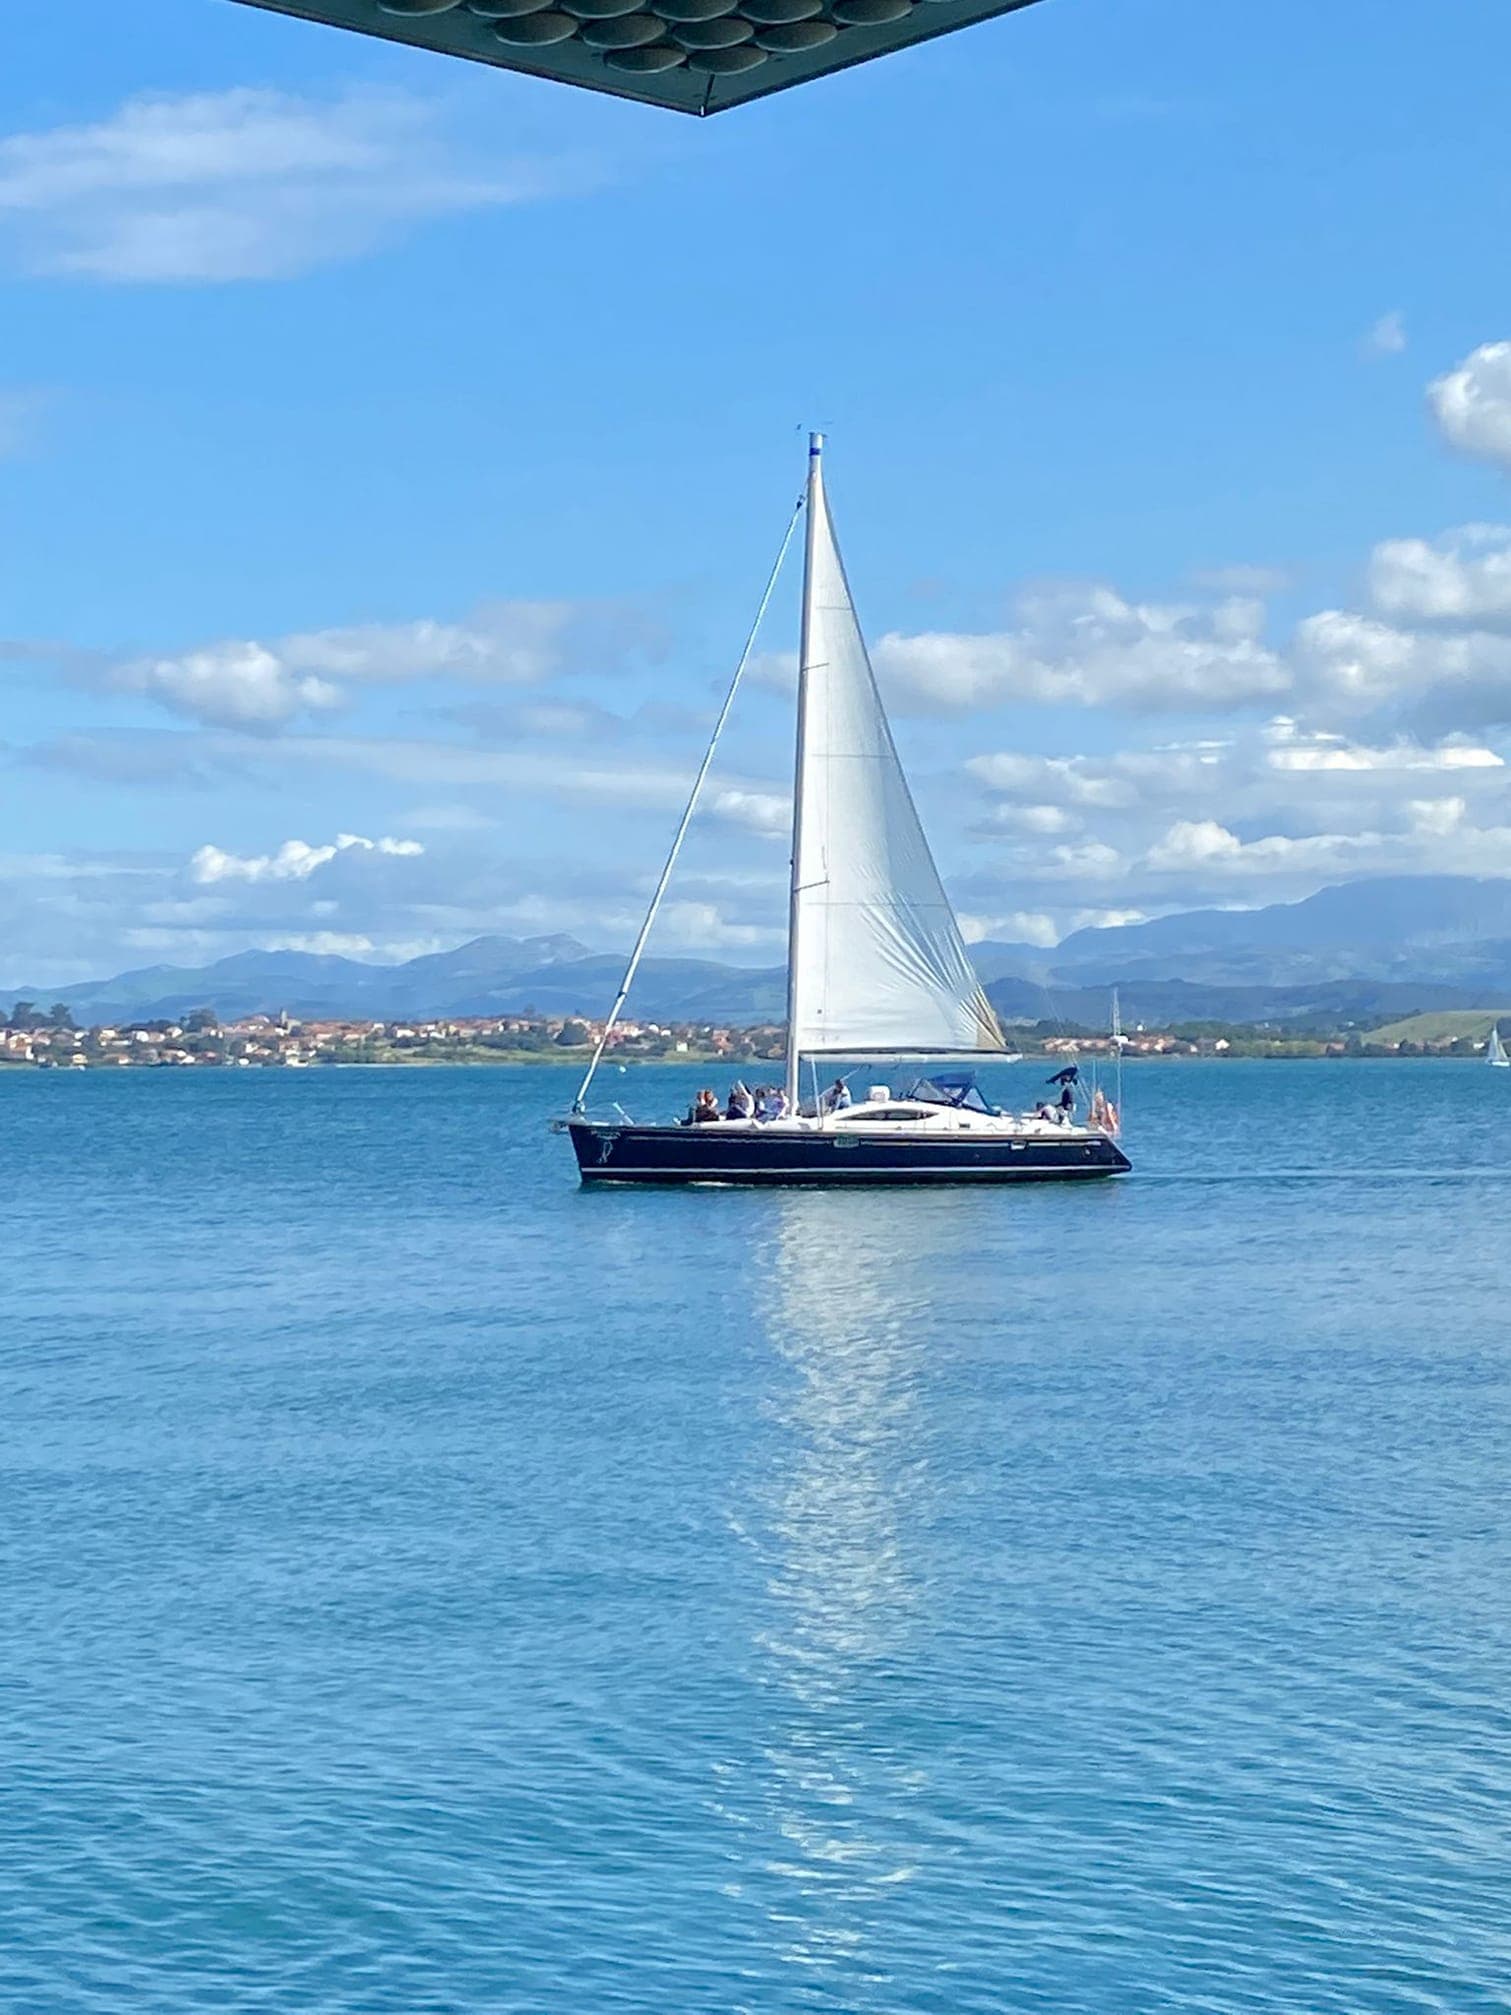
{"type": "Point", "coordinates": [687, 816]}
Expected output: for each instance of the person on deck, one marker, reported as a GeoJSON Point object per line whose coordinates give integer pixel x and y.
{"type": "Point", "coordinates": [741, 1104]}
{"type": "Point", "coordinates": [837, 1097]}
{"type": "Point", "coordinates": [771, 1103]}
{"type": "Point", "coordinates": [706, 1109]}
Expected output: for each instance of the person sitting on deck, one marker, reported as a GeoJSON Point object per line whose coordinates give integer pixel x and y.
{"type": "Point", "coordinates": [771, 1103]}
{"type": "Point", "coordinates": [836, 1098]}
{"type": "Point", "coordinates": [741, 1104]}
{"type": "Point", "coordinates": [706, 1109]}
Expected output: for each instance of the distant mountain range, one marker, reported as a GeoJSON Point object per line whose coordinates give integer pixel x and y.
{"type": "Point", "coordinates": [1368, 951]}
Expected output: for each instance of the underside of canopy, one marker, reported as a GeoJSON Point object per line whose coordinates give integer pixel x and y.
{"type": "Point", "coordinates": [696, 56]}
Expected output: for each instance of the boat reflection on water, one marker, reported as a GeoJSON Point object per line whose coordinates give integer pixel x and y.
{"type": "Point", "coordinates": [833, 1519]}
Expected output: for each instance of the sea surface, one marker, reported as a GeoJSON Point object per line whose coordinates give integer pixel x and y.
{"type": "Point", "coordinates": [427, 1587]}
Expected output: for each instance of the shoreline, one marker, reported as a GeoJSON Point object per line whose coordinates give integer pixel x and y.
{"type": "Point", "coordinates": [530, 1060]}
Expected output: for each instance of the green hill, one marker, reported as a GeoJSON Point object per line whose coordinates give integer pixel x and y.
{"type": "Point", "coordinates": [1450, 1025]}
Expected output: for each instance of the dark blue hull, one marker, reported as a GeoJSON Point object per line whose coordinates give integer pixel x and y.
{"type": "Point", "coordinates": [612, 1152]}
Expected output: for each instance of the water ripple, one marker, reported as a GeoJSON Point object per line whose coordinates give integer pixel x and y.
{"type": "Point", "coordinates": [427, 1589]}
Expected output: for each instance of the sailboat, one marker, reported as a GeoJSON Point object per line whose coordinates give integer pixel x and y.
{"type": "Point", "coordinates": [877, 968]}
{"type": "Point", "coordinates": [1495, 1049]}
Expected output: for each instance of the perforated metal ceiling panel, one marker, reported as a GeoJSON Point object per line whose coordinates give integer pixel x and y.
{"type": "Point", "coordinates": [691, 55]}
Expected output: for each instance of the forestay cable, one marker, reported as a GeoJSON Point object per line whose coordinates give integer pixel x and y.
{"type": "Point", "coordinates": [687, 816]}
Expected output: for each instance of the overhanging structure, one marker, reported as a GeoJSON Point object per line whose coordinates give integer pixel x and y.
{"type": "Point", "coordinates": [690, 55]}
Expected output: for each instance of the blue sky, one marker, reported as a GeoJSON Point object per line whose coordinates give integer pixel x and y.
{"type": "Point", "coordinates": [394, 450]}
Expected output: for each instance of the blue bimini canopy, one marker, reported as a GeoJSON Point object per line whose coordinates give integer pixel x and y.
{"type": "Point", "coordinates": [952, 1087]}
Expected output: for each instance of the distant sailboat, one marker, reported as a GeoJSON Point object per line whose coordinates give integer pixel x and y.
{"type": "Point", "coordinates": [1495, 1049]}
{"type": "Point", "coordinates": [876, 964]}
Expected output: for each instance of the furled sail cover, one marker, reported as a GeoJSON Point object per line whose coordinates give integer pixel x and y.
{"type": "Point", "coordinates": [878, 960]}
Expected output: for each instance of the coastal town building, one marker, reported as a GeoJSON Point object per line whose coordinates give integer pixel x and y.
{"type": "Point", "coordinates": [285, 1041]}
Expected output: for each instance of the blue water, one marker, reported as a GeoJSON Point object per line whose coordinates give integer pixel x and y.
{"type": "Point", "coordinates": [426, 1587]}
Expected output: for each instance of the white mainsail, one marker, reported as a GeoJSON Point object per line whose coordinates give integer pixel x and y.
{"type": "Point", "coordinates": [877, 964]}
{"type": "Point", "coordinates": [1495, 1049]}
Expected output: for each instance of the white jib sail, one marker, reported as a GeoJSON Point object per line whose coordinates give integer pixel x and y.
{"type": "Point", "coordinates": [877, 960]}
{"type": "Point", "coordinates": [1495, 1049]}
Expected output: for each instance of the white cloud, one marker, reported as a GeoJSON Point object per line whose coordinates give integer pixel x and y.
{"type": "Point", "coordinates": [1425, 836]}
{"type": "Point", "coordinates": [232, 685]}
{"type": "Point", "coordinates": [1075, 779]}
{"type": "Point", "coordinates": [65, 917]}
{"type": "Point", "coordinates": [295, 860]}
{"type": "Point", "coordinates": [1472, 404]}
{"type": "Point", "coordinates": [1388, 336]}
{"type": "Point", "coordinates": [751, 803]}
{"type": "Point", "coordinates": [765, 812]}
{"type": "Point", "coordinates": [1023, 927]}
{"type": "Point", "coordinates": [1039, 927]}
{"type": "Point", "coordinates": [1193, 843]}
{"type": "Point", "coordinates": [244, 683]}
{"type": "Point", "coordinates": [1463, 576]}
{"type": "Point", "coordinates": [1090, 647]}
{"type": "Point", "coordinates": [1436, 817]}
{"type": "Point", "coordinates": [1035, 818]}
{"type": "Point", "coordinates": [610, 911]}
{"type": "Point", "coordinates": [1354, 664]}
{"type": "Point", "coordinates": [704, 927]}
{"type": "Point", "coordinates": [455, 763]}
{"type": "Point", "coordinates": [1359, 660]}
{"type": "Point", "coordinates": [1098, 784]}
{"type": "Point", "coordinates": [1105, 920]}
{"type": "Point", "coordinates": [341, 944]}
{"type": "Point", "coordinates": [1390, 757]}
{"type": "Point", "coordinates": [245, 184]}
{"type": "Point", "coordinates": [1089, 861]}
{"type": "Point", "coordinates": [1293, 748]}
{"type": "Point", "coordinates": [1270, 813]}
{"type": "Point", "coordinates": [1204, 844]}
{"type": "Point", "coordinates": [507, 643]}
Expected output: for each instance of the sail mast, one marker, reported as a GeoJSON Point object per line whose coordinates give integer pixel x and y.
{"type": "Point", "coordinates": [794, 905]}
